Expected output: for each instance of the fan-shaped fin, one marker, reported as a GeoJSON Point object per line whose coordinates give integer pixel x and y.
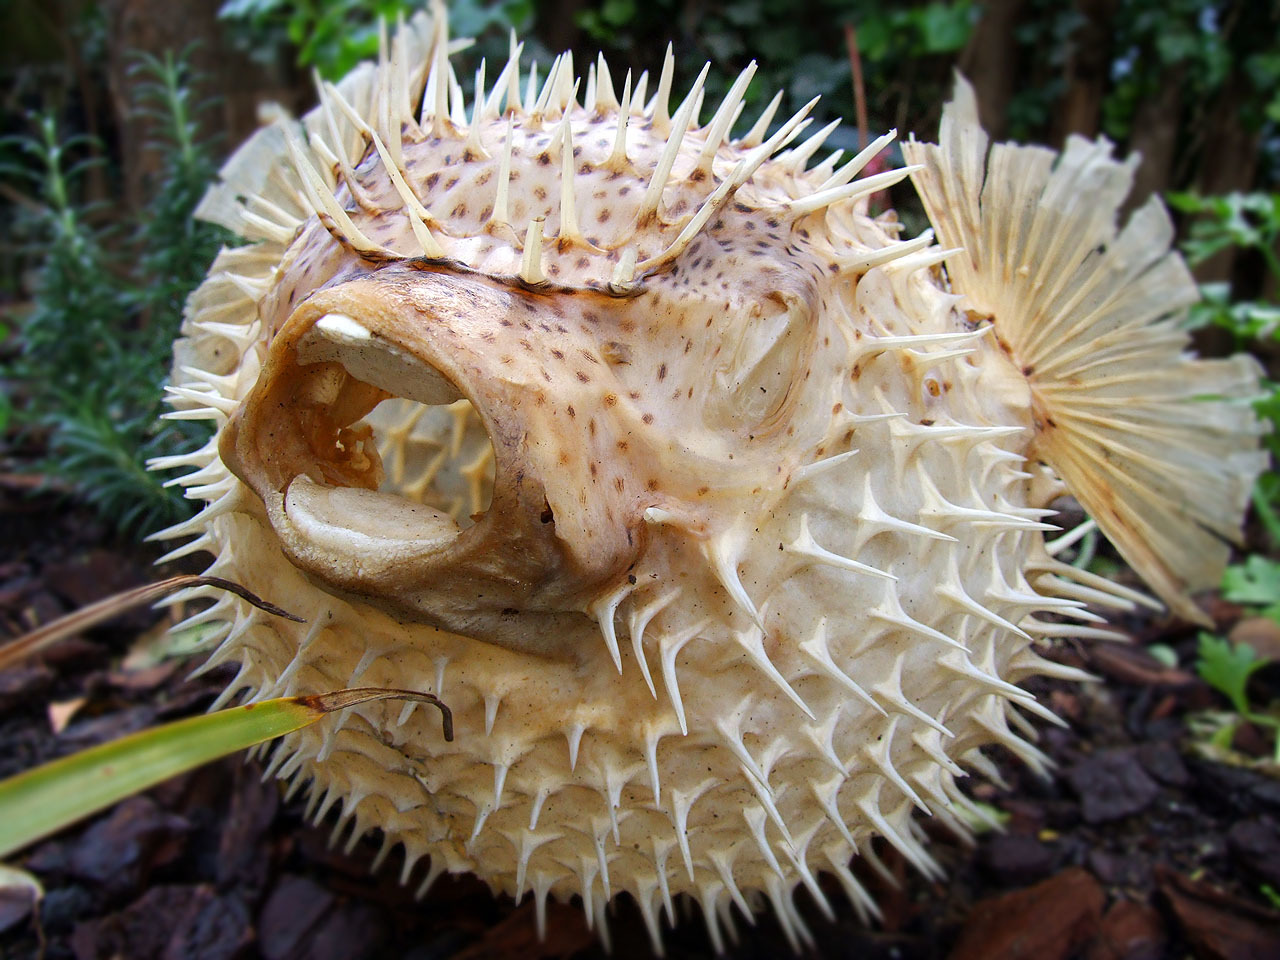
{"type": "Point", "coordinates": [1158, 446]}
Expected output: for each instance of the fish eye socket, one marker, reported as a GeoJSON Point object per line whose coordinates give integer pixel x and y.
{"type": "Point", "coordinates": [762, 362]}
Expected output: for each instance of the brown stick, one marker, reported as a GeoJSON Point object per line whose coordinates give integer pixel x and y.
{"type": "Point", "coordinates": [341, 699]}
{"type": "Point", "coordinates": [859, 91]}
{"type": "Point", "coordinates": [80, 620]}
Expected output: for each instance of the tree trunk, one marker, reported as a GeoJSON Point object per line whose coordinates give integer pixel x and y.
{"type": "Point", "coordinates": [1087, 72]}
{"type": "Point", "coordinates": [990, 62]}
{"type": "Point", "coordinates": [1155, 135]}
{"type": "Point", "coordinates": [1228, 162]}
{"type": "Point", "coordinates": [240, 85]}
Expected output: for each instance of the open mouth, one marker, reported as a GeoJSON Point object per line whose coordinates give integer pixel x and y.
{"type": "Point", "coordinates": [375, 451]}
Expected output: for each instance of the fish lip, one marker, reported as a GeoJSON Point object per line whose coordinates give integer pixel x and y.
{"type": "Point", "coordinates": [509, 578]}
{"type": "Point", "coordinates": [266, 447]}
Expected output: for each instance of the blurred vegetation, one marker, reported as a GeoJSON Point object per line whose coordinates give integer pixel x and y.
{"type": "Point", "coordinates": [101, 250]}
{"type": "Point", "coordinates": [1248, 224]}
{"type": "Point", "coordinates": [88, 355]}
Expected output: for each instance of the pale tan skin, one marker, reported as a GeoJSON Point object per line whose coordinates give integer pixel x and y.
{"type": "Point", "coordinates": [717, 515]}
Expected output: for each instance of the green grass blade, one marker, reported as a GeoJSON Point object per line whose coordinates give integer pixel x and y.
{"type": "Point", "coordinates": [42, 801]}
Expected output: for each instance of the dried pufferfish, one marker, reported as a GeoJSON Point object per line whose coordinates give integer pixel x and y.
{"type": "Point", "coordinates": [713, 510]}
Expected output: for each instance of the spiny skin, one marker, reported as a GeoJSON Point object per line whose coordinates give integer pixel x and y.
{"type": "Point", "coordinates": [709, 507]}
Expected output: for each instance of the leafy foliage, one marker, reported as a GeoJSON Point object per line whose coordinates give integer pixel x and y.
{"type": "Point", "coordinates": [94, 348]}
{"type": "Point", "coordinates": [1249, 223]}
{"type": "Point", "coordinates": [333, 37]}
{"type": "Point", "coordinates": [1256, 582]}
{"type": "Point", "coordinates": [1227, 668]}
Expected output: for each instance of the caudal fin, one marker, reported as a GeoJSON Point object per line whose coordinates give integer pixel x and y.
{"type": "Point", "coordinates": [1160, 447]}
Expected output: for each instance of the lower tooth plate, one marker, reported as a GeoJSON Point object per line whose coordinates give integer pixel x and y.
{"type": "Point", "coordinates": [356, 521]}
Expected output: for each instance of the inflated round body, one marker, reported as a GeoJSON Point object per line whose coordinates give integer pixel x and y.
{"type": "Point", "coordinates": [713, 509]}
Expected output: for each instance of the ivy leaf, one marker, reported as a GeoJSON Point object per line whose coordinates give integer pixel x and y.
{"type": "Point", "coordinates": [1227, 668]}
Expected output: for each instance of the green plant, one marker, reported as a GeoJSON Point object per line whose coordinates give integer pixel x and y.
{"type": "Point", "coordinates": [1256, 582]}
{"type": "Point", "coordinates": [1245, 221]}
{"type": "Point", "coordinates": [1227, 667]}
{"type": "Point", "coordinates": [1250, 223]}
{"type": "Point", "coordinates": [93, 350]}
{"type": "Point", "coordinates": [332, 37]}
{"type": "Point", "coordinates": [41, 801]}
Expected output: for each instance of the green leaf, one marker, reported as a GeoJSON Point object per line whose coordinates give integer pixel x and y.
{"type": "Point", "coordinates": [1227, 668]}
{"type": "Point", "coordinates": [618, 13]}
{"type": "Point", "coordinates": [42, 801]}
{"type": "Point", "coordinates": [1256, 582]}
{"type": "Point", "coordinates": [944, 28]}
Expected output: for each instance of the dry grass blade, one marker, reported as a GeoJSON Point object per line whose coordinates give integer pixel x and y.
{"type": "Point", "coordinates": [96, 613]}
{"type": "Point", "coordinates": [42, 801]}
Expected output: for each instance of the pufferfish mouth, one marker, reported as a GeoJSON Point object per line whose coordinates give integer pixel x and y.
{"type": "Point", "coordinates": [374, 463]}
{"type": "Point", "coordinates": [345, 499]}
{"type": "Point", "coordinates": [390, 445]}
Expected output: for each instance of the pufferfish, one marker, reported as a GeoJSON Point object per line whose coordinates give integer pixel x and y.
{"type": "Point", "coordinates": [714, 509]}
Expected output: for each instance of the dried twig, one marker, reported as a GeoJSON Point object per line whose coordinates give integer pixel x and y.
{"type": "Point", "coordinates": [859, 91]}
{"type": "Point", "coordinates": [95, 613]}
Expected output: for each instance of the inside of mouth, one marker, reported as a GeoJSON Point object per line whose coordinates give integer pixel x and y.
{"type": "Point", "coordinates": [396, 452]}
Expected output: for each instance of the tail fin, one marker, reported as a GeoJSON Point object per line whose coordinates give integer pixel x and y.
{"type": "Point", "coordinates": [1161, 448]}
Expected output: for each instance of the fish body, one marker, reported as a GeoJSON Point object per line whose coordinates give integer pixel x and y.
{"type": "Point", "coordinates": [714, 509]}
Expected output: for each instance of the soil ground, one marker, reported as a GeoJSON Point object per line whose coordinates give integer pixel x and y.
{"type": "Point", "coordinates": [1136, 848]}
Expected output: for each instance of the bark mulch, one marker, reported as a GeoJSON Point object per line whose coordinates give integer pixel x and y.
{"type": "Point", "coordinates": [1136, 848]}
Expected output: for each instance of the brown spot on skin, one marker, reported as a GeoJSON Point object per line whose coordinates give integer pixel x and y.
{"type": "Point", "coordinates": [610, 399]}
{"type": "Point", "coordinates": [662, 371]}
{"type": "Point", "coordinates": [619, 484]}
{"type": "Point", "coordinates": [593, 469]}
{"type": "Point", "coordinates": [571, 412]}
{"type": "Point", "coordinates": [647, 418]}
{"type": "Point", "coordinates": [582, 376]}
{"type": "Point", "coordinates": [703, 491]}
{"type": "Point", "coordinates": [652, 484]}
